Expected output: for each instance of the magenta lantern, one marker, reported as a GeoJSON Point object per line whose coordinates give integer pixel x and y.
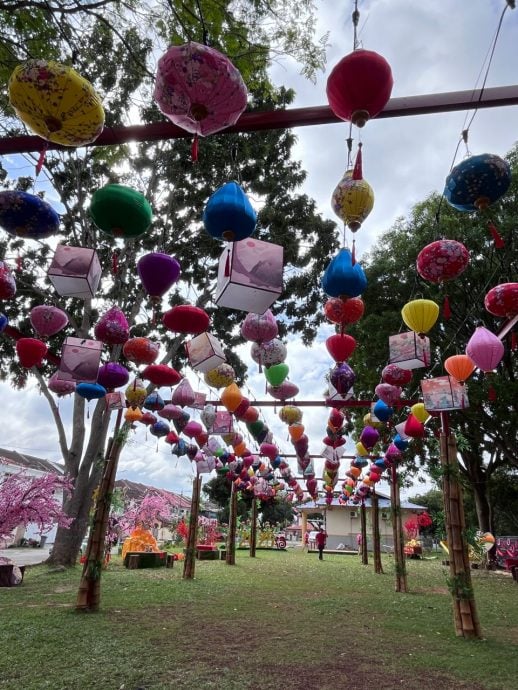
{"type": "Point", "coordinates": [442, 260]}
{"type": "Point", "coordinates": [485, 349]}
{"type": "Point", "coordinates": [48, 321]}
{"type": "Point", "coordinates": [112, 328]}
{"type": "Point", "coordinates": [158, 272]}
{"type": "Point", "coordinates": [112, 375]}
{"type": "Point", "coordinates": [369, 437]}
{"type": "Point", "coordinates": [502, 300]}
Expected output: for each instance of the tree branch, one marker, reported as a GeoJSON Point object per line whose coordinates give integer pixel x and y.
{"type": "Point", "coordinates": [55, 413]}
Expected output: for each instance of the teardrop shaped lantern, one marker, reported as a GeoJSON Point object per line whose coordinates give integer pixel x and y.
{"type": "Point", "coordinates": [420, 315]}
{"type": "Point", "coordinates": [353, 198]}
{"type": "Point", "coordinates": [477, 182]}
{"type": "Point", "coordinates": [259, 328]}
{"type": "Point", "coordinates": [136, 393]}
{"type": "Point", "coordinates": [460, 367]}
{"type": "Point", "coordinates": [359, 86]}
{"type": "Point", "coordinates": [342, 378]}
{"type": "Point", "coordinates": [485, 349]}
{"type": "Point", "coordinates": [502, 300]}
{"type": "Point", "coordinates": [26, 215]}
{"type": "Point", "coordinates": [4, 322]}
{"type": "Point", "coordinates": [231, 397]}
{"type": "Point", "coordinates": [120, 211]}
{"type": "Point", "coordinates": [340, 346]}
{"type": "Point", "coordinates": [56, 103]}
{"type": "Point", "coordinates": [229, 214]}
{"type": "Point", "coordinates": [158, 272]}
{"type": "Point", "coordinates": [112, 328]}
{"type": "Point", "coordinates": [342, 277]}
{"type": "Point", "coordinates": [31, 352]}
{"type": "Point", "coordinates": [47, 320]}
{"type": "Point", "coordinates": [442, 260]}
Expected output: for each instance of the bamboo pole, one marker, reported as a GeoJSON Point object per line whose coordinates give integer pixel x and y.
{"type": "Point", "coordinates": [232, 523]}
{"type": "Point", "coordinates": [363, 523]}
{"type": "Point", "coordinates": [397, 531]}
{"type": "Point", "coordinates": [253, 529]}
{"type": "Point", "coordinates": [89, 592]}
{"type": "Point", "coordinates": [189, 565]}
{"type": "Point", "coordinates": [376, 541]}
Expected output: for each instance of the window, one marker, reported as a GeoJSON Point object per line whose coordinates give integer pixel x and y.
{"type": "Point", "coordinates": [353, 514]}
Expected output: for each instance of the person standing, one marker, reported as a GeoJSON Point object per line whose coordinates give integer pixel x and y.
{"type": "Point", "coordinates": [321, 539]}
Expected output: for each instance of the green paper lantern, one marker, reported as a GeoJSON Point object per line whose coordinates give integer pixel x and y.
{"type": "Point", "coordinates": [121, 211]}
{"type": "Point", "coordinates": [276, 374]}
{"type": "Point", "coordinates": [255, 427]}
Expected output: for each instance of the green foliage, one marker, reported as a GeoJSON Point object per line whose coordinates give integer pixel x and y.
{"type": "Point", "coordinates": [277, 512]}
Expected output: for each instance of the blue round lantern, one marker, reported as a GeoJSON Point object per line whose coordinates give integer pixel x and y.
{"type": "Point", "coordinates": [27, 215]}
{"type": "Point", "coordinates": [400, 443]}
{"type": "Point", "coordinates": [360, 461]}
{"type": "Point", "coordinates": [229, 214]}
{"type": "Point", "coordinates": [477, 182]}
{"type": "Point", "coordinates": [179, 448]}
{"type": "Point", "coordinates": [382, 411]}
{"type": "Point", "coordinates": [342, 277]}
{"type": "Point", "coordinates": [4, 322]}
{"type": "Point", "coordinates": [154, 402]}
{"type": "Point", "coordinates": [380, 464]}
{"type": "Point", "coordinates": [159, 429]}
{"type": "Point", "coordinates": [90, 391]}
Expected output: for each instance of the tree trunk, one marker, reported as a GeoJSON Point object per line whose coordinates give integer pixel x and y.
{"type": "Point", "coordinates": [189, 564]}
{"type": "Point", "coordinates": [363, 521]}
{"type": "Point", "coordinates": [482, 506]}
{"type": "Point", "coordinates": [376, 541]}
{"type": "Point", "coordinates": [397, 531]}
{"type": "Point", "coordinates": [232, 523]}
{"type": "Point", "coordinates": [253, 529]}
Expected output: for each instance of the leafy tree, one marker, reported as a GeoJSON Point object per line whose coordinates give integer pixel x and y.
{"type": "Point", "coordinates": [176, 189]}
{"type": "Point", "coordinates": [218, 490]}
{"type": "Point", "coordinates": [278, 511]}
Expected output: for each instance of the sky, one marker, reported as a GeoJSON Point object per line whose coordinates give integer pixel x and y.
{"type": "Point", "coordinates": [432, 47]}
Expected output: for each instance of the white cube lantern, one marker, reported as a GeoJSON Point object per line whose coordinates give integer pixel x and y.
{"type": "Point", "coordinates": [250, 276]}
{"type": "Point", "coordinates": [80, 359]}
{"type": "Point", "coordinates": [75, 271]}
{"type": "Point", "coordinates": [204, 352]}
{"type": "Point", "coordinates": [409, 350]}
{"type": "Point", "coordinates": [444, 393]}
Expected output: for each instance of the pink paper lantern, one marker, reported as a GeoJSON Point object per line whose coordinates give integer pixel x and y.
{"type": "Point", "coordinates": [409, 350]}
{"type": "Point", "coordinates": [112, 328]}
{"type": "Point", "coordinates": [485, 349]}
{"type": "Point", "coordinates": [388, 393]}
{"type": "Point", "coordinates": [47, 320]}
{"type": "Point", "coordinates": [80, 360]}
{"type": "Point", "coordinates": [60, 387]}
{"type": "Point", "coordinates": [183, 394]}
{"type": "Point", "coordinates": [260, 328]}
{"type": "Point", "coordinates": [444, 393]}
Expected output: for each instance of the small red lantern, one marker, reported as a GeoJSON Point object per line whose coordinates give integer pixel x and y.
{"type": "Point", "coordinates": [359, 86]}
{"type": "Point", "coordinates": [340, 346]}
{"type": "Point", "coordinates": [186, 318]}
{"type": "Point", "coordinates": [31, 352]}
{"type": "Point", "coordinates": [161, 375]}
{"type": "Point", "coordinates": [396, 376]}
{"type": "Point", "coordinates": [344, 311]}
{"type": "Point", "coordinates": [502, 300]}
{"type": "Point", "coordinates": [140, 350]}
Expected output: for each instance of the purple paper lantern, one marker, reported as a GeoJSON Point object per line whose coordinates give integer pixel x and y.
{"type": "Point", "coordinates": [158, 272]}
{"type": "Point", "coordinates": [342, 378]}
{"type": "Point", "coordinates": [113, 375]}
{"type": "Point", "coordinates": [369, 437]}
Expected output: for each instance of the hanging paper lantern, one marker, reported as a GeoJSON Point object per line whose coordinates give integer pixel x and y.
{"type": "Point", "coordinates": [393, 453]}
{"type": "Point", "coordinates": [342, 277]}
{"type": "Point", "coordinates": [342, 378]}
{"type": "Point", "coordinates": [75, 271]}
{"type": "Point", "coordinates": [135, 393]}
{"type": "Point", "coordinates": [276, 374]}
{"type": "Point", "coordinates": [260, 328]}
{"type": "Point", "coordinates": [359, 86]}
{"type": "Point", "coordinates": [192, 429]}
{"type": "Point", "coordinates": [420, 315]}
{"type": "Point", "coordinates": [220, 377]}
{"type": "Point", "coordinates": [485, 349]}
{"type": "Point", "coordinates": [7, 282]}
{"type": "Point", "coordinates": [148, 418]}
{"type": "Point", "coordinates": [285, 391]}
{"type": "Point", "coordinates": [208, 416]}
{"type": "Point", "coordinates": [340, 346]}
{"type": "Point", "coordinates": [400, 443]}
{"type": "Point", "coordinates": [344, 311]}
{"type": "Point", "coordinates": [460, 367]}
{"type": "Point", "coordinates": [56, 103]}
{"type": "Point", "coordinates": [370, 420]}
{"type": "Point", "coordinates": [186, 318]}
{"type": "Point", "coordinates": [133, 414]}
{"type": "Point", "coordinates": [269, 353]}
{"type": "Point", "coordinates": [242, 408]}
{"type": "Point", "coordinates": [183, 394]}
{"type": "Point", "coordinates": [477, 182]}
{"type": "Point", "coordinates": [369, 437]}
{"type": "Point", "coordinates": [154, 402]}
{"type": "Point", "coordinates": [140, 350]}
{"type": "Point", "coordinates": [31, 352]}
{"type": "Point", "coordinates": [47, 321]}
{"type": "Point", "coordinates": [159, 429]}
{"type": "Point", "coordinates": [382, 411]}
{"type": "Point", "coordinates": [502, 300]}
{"type": "Point", "coordinates": [61, 387]}
{"type": "Point", "coordinates": [113, 375]}
{"type": "Point", "coordinates": [158, 272]}
{"type": "Point", "coordinates": [396, 376]}
{"type": "Point", "coordinates": [289, 414]}
{"type": "Point", "coordinates": [90, 391]}
{"type": "Point", "coordinates": [296, 431]}
{"type": "Point", "coordinates": [172, 437]}
{"type": "Point", "coordinates": [353, 198]}
{"type": "Point", "coordinates": [388, 393]}
{"type": "Point", "coordinates": [251, 415]}
{"type": "Point", "coordinates": [161, 375]}
{"type": "Point", "coordinates": [170, 412]}
{"type": "Point", "coordinates": [420, 412]}
{"type": "Point", "coordinates": [27, 216]}
{"type": "Point", "coordinates": [442, 260]}
{"type": "Point", "coordinates": [112, 328]}
{"type": "Point", "coordinates": [414, 428]}
{"type": "Point", "coordinates": [231, 397]}
{"type": "Point", "coordinates": [229, 214]}
{"type": "Point", "coordinates": [181, 422]}
{"type": "Point", "coordinates": [199, 89]}
{"type": "Point", "coordinates": [120, 211]}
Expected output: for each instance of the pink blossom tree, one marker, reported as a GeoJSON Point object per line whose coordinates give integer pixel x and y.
{"type": "Point", "coordinates": [25, 499]}
{"type": "Point", "coordinates": [154, 507]}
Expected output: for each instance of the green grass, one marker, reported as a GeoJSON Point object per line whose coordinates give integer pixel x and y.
{"type": "Point", "coordinates": [282, 620]}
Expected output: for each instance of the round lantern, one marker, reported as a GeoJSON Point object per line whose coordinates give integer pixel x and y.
{"type": "Point", "coordinates": [148, 418]}
{"type": "Point", "coordinates": [342, 277]}
{"type": "Point", "coordinates": [442, 260]}
{"type": "Point", "coordinates": [140, 350]}
{"type": "Point", "coordinates": [396, 376]}
{"type": "Point", "coordinates": [420, 315]}
{"type": "Point", "coordinates": [27, 215]}
{"type": "Point", "coordinates": [30, 352]}
{"type": "Point", "coordinates": [477, 182]}
{"type": "Point", "coordinates": [276, 374]}
{"type": "Point", "coordinates": [340, 346]}
{"type": "Point", "coordinates": [241, 409]}
{"type": "Point", "coordinates": [220, 377]}
{"type": "Point", "coordinates": [47, 321]}
{"type": "Point", "coordinates": [369, 437]}
{"type": "Point", "coordinates": [186, 318]}
{"type": "Point", "coordinates": [158, 272]}
{"type": "Point", "coordinates": [7, 282]}
{"type": "Point", "coordinates": [154, 402]}
{"type": "Point", "coordinates": [485, 349]}
{"type": "Point", "coordinates": [171, 412]}
{"type": "Point", "coordinates": [112, 328]}
{"type": "Point", "coordinates": [342, 378]}
{"type": "Point", "coordinates": [159, 429]}
{"type": "Point", "coordinates": [229, 214]}
{"type": "Point", "coordinates": [460, 367]}
{"type": "Point", "coordinates": [61, 387]}
{"type": "Point", "coordinates": [120, 211]}
{"type": "Point", "coordinates": [344, 311]}
{"type": "Point", "coordinates": [289, 414]}
{"type": "Point", "coordinates": [259, 327]}
{"type": "Point", "coordinates": [112, 375]}
{"type": "Point", "coordinates": [359, 86]}
{"type": "Point", "coordinates": [271, 352]}
{"type": "Point", "coordinates": [161, 375]}
{"type": "Point", "coordinates": [193, 429]}
{"type": "Point", "coordinates": [56, 103]}
{"type": "Point", "coordinates": [136, 393]}
{"type": "Point", "coordinates": [285, 391]}
{"type": "Point", "coordinates": [90, 391]}
{"type": "Point", "coordinates": [199, 89]}
{"type": "Point", "coordinates": [388, 393]}
{"type": "Point", "coordinates": [353, 198]}
{"type": "Point", "coordinates": [502, 300]}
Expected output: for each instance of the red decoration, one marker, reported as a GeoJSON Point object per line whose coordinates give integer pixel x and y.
{"type": "Point", "coordinates": [442, 260]}
{"type": "Point", "coordinates": [186, 318]}
{"type": "Point", "coordinates": [502, 300]}
{"type": "Point", "coordinates": [359, 86]}
{"type": "Point", "coordinates": [414, 428]}
{"type": "Point", "coordinates": [161, 375]}
{"type": "Point", "coordinates": [344, 311]}
{"type": "Point", "coordinates": [340, 347]}
{"type": "Point", "coordinates": [31, 352]}
{"type": "Point", "coordinates": [140, 350]}
{"type": "Point", "coordinates": [396, 376]}
{"type": "Point", "coordinates": [497, 239]}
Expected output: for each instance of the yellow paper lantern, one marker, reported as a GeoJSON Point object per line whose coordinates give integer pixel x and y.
{"type": "Point", "coordinates": [136, 393]}
{"type": "Point", "coordinates": [369, 421]}
{"type": "Point", "coordinates": [352, 200]}
{"type": "Point", "coordinates": [56, 102]}
{"type": "Point", "coordinates": [221, 376]}
{"type": "Point", "coordinates": [290, 414]}
{"type": "Point", "coordinates": [420, 412]}
{"type": "Point", "coordinates": [360, 449]}
{"type": "Point", "coordinates": [231, 397]}
{"type": "Point", "coordinates": [420, 315]}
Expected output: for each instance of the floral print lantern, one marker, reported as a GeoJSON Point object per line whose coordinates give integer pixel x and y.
{"type": "Point", "coordinates": [353, 198]}
{"type": "Point", "coordinates": [47, 320]}
{"type": "Point", "coordinates": [502, 300]}
{"type": "Point", "coordinates": [477, 182]}
{"type": "Point", "coordinates": [56, 103]}
{"type": "Point", "coordinates": [27, 215]}
{"type": "Point", "coordinates": [112, 328]}
{"type": "Point", "coordinates": [442, 260]}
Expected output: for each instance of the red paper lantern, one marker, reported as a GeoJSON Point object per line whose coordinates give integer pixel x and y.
{"type": "Point", "coordinates": [442, 260]}
{"type": "Point", "coordinates": [413, 427]}
{"type": "Point", "coordinates": [344, 311]}
{"type": "Point", "coordinates": [395, 376]}
{"type": "Point", "coordinates": [140, 350]}
{"type": "Point", "coordinates": [502, 300]}
{"type": "Point", "coordinates": [340, 346]}
{"type": "Point", "coordinates": [31, 352]}
{"type": "Point", "coordinates": [186, 318]}
{"type": "Point", "coordinates": [359, 86]}
{"type": "Point", "coordinates": [161, 375]}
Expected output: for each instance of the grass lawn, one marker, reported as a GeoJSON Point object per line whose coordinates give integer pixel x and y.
{"type": "Point", "coordinates": [281, 620]}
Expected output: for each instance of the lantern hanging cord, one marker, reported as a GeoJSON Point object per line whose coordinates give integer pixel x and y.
{"type": "Point", "coordinates": [355, 19]}
{"type": "Point", "coordinates": [205, 33]}
{"type": "Point", "coordinates": [349, 142]}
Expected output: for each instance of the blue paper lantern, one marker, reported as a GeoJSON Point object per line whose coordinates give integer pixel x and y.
{"type": "Point", "coordinates": [179, 448]}
{"type": "Point", "coordinates": [229, 215]}
{"type": "Point", "coordinates": [342, 278]}
{"type": "Point", "coordinates": [360, 461]}
{"type": "Point", "coordinates": [400, 443]}
{"type": "Point", "coordinates": [477, 182]}
{"type": "Point", "coordinates": [159, 428]}
{"type": "Point", "coordinates": [380, 462]}
{"type": "Point", "coordinates": [4, 322]}
{"type": "Point", "coordinates": [90, 391]}
{"type": "Point", "coordinates": [27, 215]}
{"type": "Point", "coordinates": [154, 402]}
{"type": "Point", "coordinates": [382, 411]}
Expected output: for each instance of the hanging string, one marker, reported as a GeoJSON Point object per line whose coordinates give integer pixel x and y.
{"type": "Point", "coordinates": [194, 148]}
{"type": "Point", "coordinates": [355, 19]}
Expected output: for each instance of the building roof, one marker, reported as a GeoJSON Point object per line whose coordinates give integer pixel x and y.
{"type": "Point", "coordinates": [383, 504]}
{"type": "Point", "coordinates": [29, 462]}
{"type": "Point", "coordinates": [136, 491]}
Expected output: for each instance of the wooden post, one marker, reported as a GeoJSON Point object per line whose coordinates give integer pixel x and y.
{"type": "Point", "coordinates": [376, 541]}
{"type": "Point", "coordinates": [232, 523]}
{"type": "Point", "coordinates": [363, 522]}
{"type": "Point", "coordinates": [464, 607]}
{"type": "Point", "coordinates": [89, 592]}
{"type": "Point", "coordinates": [397, 531]}
{"type": "Point", "coordinates": [303, 527]}
{"type": "Point", "coordinates": [189, 565]}
{"type": "Point", "coordinates": [253, 529]}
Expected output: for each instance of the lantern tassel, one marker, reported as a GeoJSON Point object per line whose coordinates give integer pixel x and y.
{"type": "Point", "coordinates": [194, 149]}
{"type": "Point", "coordinates": [514, 341]}
{"type": "Point", "coordinates": [491, 394]}
{"type": "Point", "coordinates": [357, 170]}
{"type": "Point", "coordinates": [446, 311]}
{"type": "Point", "coordinates": [227, 265]}
{"type": "Point", "coordinates": [41, 159]}
{"type": "Point", "coordinates": [497, 239]}
{"type": "Point", "coordinates": [260, 364]}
